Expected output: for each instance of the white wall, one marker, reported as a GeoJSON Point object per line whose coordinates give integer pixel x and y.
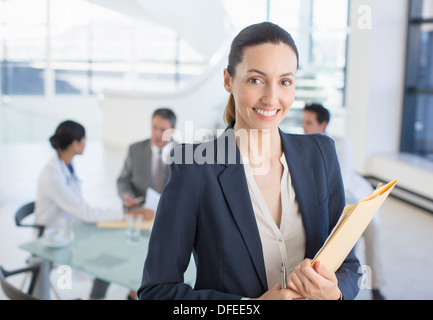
{"type": "Point", "coordinates": [375, 78]}
{"type": "Point", "coordinates": [30, 118]}
{"type": "Point", "coordinates": [127, 115]}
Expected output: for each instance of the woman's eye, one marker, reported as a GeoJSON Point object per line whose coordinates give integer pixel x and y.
{"type": "Point", "coordinates": [286, 82]}
{"type": "Point", "coordinates": [254, 81]}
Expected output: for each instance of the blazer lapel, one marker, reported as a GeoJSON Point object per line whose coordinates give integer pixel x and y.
{"type": "Point", "coordinates": [235, 188]}
{"type": "Point", "coordinates": [305, 188]}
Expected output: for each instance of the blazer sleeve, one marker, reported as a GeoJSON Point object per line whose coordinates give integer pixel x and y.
{"type": "Point", "coordinates": [172, 240]}
{"type": "Point", "coordinates": [124, 180]}
{"type": "Point", "coordinates": [347, 274]}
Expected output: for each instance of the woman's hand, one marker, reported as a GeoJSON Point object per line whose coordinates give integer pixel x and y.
{"type": "Point", "coordinates": [314, 283]}
{"type": "Point", "coordinates": [276, 293]}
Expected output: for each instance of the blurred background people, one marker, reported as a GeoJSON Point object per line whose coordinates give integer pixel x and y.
{"type": "Point", "coordinates": [59, 202]}
{"type": "Point", "coordinates": [315, 119]}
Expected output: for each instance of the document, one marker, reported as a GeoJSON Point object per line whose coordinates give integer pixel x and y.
{"type": "Point", "coordinates": [151, 202]}
{"type": "Point", "coordinates": [351, 225]}
{"type": "Point", "coordinates": [152, 199]}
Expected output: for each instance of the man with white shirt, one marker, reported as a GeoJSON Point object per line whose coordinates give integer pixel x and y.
{"type": "Point", "coordinates": [315, 120]}
{"type": "Point", "coordinates": [144, 165]}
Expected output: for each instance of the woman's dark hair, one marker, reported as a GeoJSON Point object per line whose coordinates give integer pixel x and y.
{"type": "Point", "coordinates": [66, 133]}
{"type": "Point", "coordinates": [256, 34]}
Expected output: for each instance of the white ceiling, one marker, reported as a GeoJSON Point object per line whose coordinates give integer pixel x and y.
{"type": "Point", "coordinates": [203, 23]}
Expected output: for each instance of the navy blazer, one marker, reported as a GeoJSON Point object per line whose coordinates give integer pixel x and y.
{"type": "Point", "coordinates": [206, 209]}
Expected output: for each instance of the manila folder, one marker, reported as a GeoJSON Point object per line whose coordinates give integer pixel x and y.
{"type": "Point", "coordinates": [351, 225]}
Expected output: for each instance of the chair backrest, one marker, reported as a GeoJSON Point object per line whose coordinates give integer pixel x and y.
{"type": "Point", "coordinates": [23, 212]}
{"type": "Point", "coordinates": [13, 293]}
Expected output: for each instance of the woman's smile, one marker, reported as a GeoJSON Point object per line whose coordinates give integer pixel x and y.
{"type": "Point", "coordinates": [264, 114]}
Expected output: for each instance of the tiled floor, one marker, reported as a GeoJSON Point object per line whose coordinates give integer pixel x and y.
{"type": "Point", "coordinates": [407, 240]}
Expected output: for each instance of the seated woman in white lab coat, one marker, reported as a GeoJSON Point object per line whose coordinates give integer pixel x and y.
{"type": "Point", "coordinates": [59, 202]}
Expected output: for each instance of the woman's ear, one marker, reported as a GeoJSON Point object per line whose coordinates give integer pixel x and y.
{"type": "Point", "coordinates": [78, 146]}
{"type": "Point", "coordinates": [75, 145]}
{"type": "Point", "coordinates": [227, 81]}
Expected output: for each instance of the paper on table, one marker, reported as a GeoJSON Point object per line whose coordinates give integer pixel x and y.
{"type": "Point", "coordinates": [121, 224]}
{"type": "Point", "coordinates": [152, 199]}
{"type": "Point", "coordinates": [349, 228]}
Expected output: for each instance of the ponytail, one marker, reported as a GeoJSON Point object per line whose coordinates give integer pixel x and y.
{"type": "Point", "coordinates": [229, 112]}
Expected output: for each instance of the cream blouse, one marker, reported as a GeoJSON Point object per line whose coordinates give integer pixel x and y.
{"type": "Point", "coordinates": [287, 243]}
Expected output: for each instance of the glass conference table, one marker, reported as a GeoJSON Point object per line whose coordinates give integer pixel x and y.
{"type": "Point", "coordinates": [104, 253]}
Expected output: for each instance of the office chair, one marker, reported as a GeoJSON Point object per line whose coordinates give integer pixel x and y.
{"type": "Point", "coordinates": [13, 293]}
{"type": "Point", "coordinates": [23, 212]}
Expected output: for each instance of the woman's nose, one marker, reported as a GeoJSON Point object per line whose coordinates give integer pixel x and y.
{"type": "Point", "coordinates": [270, 96]}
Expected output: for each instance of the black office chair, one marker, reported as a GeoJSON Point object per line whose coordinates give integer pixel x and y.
{"type": "Point", "coordinates": [25, 211]}
{"type": "Point", "coordinates": [22, 213]}
{"type": "Point", "coordinates": [13, 293]}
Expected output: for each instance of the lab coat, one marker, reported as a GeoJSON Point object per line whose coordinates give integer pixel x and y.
{"type": "Point", "coordinates": [59, 202]}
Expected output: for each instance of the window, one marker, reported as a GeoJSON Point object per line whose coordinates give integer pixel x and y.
{"type": "Point", "coordinates": [74, 47]}
{"type": "Point", "coordinates": [23, 41]}
{"type": "Point", "coordinates": [417, 126]}
{"type": "Point", "coordinates": [70, 46]}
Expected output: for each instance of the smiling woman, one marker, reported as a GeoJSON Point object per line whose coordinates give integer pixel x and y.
{"type": "Point", "coordinates": [239, 221]}
{"type": "Point", "coordinates": [241, 55]}
{"type": "Point", "coordinates": [262, 85]}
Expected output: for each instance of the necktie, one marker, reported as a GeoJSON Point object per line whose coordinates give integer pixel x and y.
{"type": "Point", "coordinates": [158, 178]}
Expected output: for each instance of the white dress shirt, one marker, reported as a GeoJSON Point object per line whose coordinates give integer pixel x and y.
{"type": "Point", "coordinates": [59, 202]}
{"type": "Point", "coordinates": [287, 243]}
{"type": "Point", "coordinates": [165, 154]}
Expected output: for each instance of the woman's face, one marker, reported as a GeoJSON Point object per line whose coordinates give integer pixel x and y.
{"type": "Point", "coordinates": [263, 86]}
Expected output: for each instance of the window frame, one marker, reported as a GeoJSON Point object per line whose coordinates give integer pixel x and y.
{"type": "Point", "coordinates": [412, 90]}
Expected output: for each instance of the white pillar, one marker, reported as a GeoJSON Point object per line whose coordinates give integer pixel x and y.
{"type": "Point", "coordinates": [375, 77]}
